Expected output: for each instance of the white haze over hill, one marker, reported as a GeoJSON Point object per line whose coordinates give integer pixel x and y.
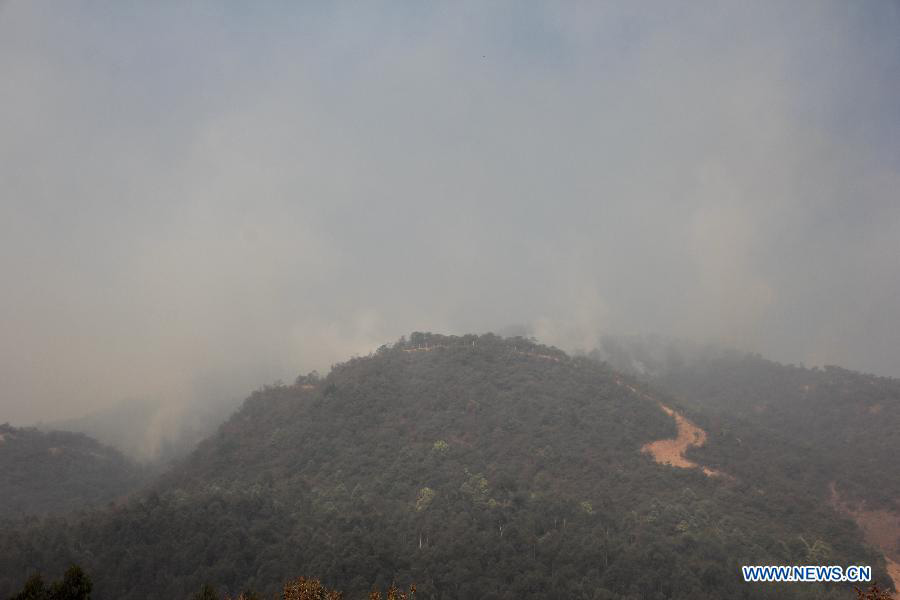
{"type": "Point", "coordinates": [196, 199]}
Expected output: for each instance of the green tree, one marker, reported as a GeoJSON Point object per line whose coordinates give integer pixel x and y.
{"type": "Point", "coordinates": [34, 589]}
{"type": "Point", "coordinates": [207, 592]}
{"type": "Point", "coordinates": [75, 585]}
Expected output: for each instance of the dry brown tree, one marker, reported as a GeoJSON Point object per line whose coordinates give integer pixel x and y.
{"type": "Point", "coordinates": [394, 593]}
{"type": "Point", "coordinates": [309, 589]}
{"type": "Point", "coordinates": [312, 589]}
{"type": "Point", "coordinates": [873, 593]}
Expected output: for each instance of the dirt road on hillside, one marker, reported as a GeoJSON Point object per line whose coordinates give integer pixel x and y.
{"type": "Point", "coordinates": [671, 451]}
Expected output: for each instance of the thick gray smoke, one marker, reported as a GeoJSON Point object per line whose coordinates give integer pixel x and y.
{"type": "Point", "coordinates": [199, 197]}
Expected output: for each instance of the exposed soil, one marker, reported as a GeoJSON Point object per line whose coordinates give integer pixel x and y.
{"type": "Point", "coordinates": [893, 569]}
{"type": "Point", "coordinates": [881, 529]}
{"type": "Point", "coordinates": [671, 452]}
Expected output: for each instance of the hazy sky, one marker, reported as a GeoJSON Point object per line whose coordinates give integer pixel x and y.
{"type": "Point", "coordinates": [199, 197]}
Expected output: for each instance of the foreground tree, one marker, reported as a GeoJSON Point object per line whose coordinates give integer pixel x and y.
{"type": "Point", "coordinates": [394, 593]}
{"type": "Point", "coordinates": [207, 592]}
{"type": "Point", "coordinates": [75, 585]}
{"type": "Point", "coordinates": [309, 589]}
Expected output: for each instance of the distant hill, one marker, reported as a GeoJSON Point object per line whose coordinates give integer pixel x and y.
{"type": "Point", "coordinates": [59, 471]}
{"type": "Point", "coordinates": [150, 432]}
{"type": "Point", "coordinates": [653, 356]}
{"type": "Point", "coordinates": [474, 466]}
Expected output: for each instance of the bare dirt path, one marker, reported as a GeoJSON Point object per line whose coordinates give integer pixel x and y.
{"type": "Point", "coordinates": [671, 451]}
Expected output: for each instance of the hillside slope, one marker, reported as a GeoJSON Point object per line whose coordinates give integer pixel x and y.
{"type": "Point", "coordinates": [850, 420]}
{"type": "Point", "coordinates": [476, 467]}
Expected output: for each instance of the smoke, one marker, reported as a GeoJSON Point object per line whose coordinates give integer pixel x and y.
{"type": "Point", "coordinates": [204, 198]}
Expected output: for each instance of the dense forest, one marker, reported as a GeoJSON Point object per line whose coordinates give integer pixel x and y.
{"type": "Point", "coordinates": [474, 467]}
{"type": "Point", "coordinates": [59, 471]}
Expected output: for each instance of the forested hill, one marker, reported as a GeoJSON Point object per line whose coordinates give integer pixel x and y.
{"type": "Point", "coordinates": [474, 466]}
{"type": "Point", "coordinates": [59, 471]}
